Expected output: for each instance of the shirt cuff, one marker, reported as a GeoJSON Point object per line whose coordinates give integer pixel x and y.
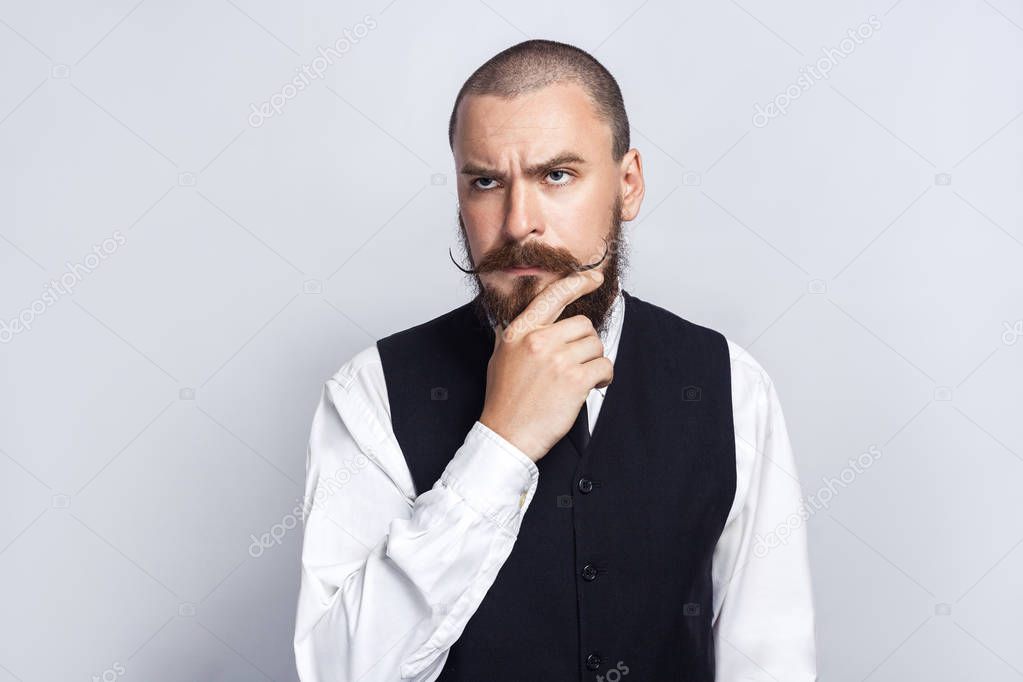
{"type": "Point", "coordinates": [493, 477]}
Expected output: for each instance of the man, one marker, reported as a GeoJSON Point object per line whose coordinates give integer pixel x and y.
{"type": "Point", "coordinates": [472, 519]}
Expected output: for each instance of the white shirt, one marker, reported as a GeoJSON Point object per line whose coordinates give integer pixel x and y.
{"type": "Point", "coordinates": [390, 579]}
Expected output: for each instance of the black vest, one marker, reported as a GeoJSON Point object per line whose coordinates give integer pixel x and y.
{"type": "Point", "coordinates": [610, 576]}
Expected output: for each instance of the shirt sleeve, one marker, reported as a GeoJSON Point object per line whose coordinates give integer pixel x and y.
{"type": "Point", "coordinates": [763, 602]}
{"type": "Point", "coordinates": [389, 579]}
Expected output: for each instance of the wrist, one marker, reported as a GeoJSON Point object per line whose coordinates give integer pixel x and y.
{"type": "Point", "coordinates": [519, 440]}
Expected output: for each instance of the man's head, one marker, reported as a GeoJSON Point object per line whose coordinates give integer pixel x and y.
{"type": "Point", "coordinates": [546, 176]}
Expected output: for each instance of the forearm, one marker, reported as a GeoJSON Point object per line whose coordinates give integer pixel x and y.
{"type": "Point", "coordinates": [388, 586]}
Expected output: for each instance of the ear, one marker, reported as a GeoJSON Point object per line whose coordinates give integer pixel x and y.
{"type": "Point", "coordinates": [632, 184]}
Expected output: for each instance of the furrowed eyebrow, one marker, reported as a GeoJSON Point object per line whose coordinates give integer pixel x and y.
{"type": "Point", "coordinates": [536, 169]}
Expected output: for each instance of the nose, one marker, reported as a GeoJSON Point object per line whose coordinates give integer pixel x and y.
{"type": "Point", "coordinates": [523, 215]}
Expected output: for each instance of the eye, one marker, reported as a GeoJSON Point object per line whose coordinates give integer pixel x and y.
{"type": "Point", "coordinates": [476, 186]}
{"type": "Point", "coordinates": [563, 179]}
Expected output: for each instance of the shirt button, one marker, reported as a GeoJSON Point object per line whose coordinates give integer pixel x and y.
{"type": "Point", "coordinates": [593, 661]}
{"type": "Point", "coordinates": [589, 573]}
{"type": "Point", "coordinates": [585, 485]}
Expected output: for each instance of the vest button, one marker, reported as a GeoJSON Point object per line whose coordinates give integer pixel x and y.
{"type": "Point", "coordinates": [593, 661]}
{"type": "Point", "coordinates": [585, 485]}
{"type": "Point", "coordinates": [589, 573]}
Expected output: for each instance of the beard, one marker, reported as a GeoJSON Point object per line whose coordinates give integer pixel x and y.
{"type": "Point", "coordinates": [491, 305]}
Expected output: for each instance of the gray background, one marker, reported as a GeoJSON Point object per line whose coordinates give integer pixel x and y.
{"type": "Point", "coordinates": [865, 247]}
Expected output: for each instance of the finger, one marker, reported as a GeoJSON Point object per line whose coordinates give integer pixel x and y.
{"type": "Point", "coordinates": [585, 349]}
{"type": "Point", "coordinates": [570, 329]}
{"type": "Point", "coordinates": [552, 299]}
{"type": "Point", "coordinates": [600, 372]}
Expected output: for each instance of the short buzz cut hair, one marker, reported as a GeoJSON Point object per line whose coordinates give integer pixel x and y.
{"type": "Point", "coordinates": [535, 64]}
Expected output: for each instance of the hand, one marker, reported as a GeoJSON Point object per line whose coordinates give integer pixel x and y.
{"type": "Point", "coordinates": [541, 371]}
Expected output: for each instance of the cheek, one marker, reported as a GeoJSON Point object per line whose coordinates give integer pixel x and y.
{"type": "Point", "coordinates": [577, 220]}
{"type": "Point", "coordinates": [483, 243]}
{"type": "Point", "coordinates": [481, 229]}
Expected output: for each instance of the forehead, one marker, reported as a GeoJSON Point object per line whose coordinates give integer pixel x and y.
{"type": "Point", "coordinates": [554, 118]}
